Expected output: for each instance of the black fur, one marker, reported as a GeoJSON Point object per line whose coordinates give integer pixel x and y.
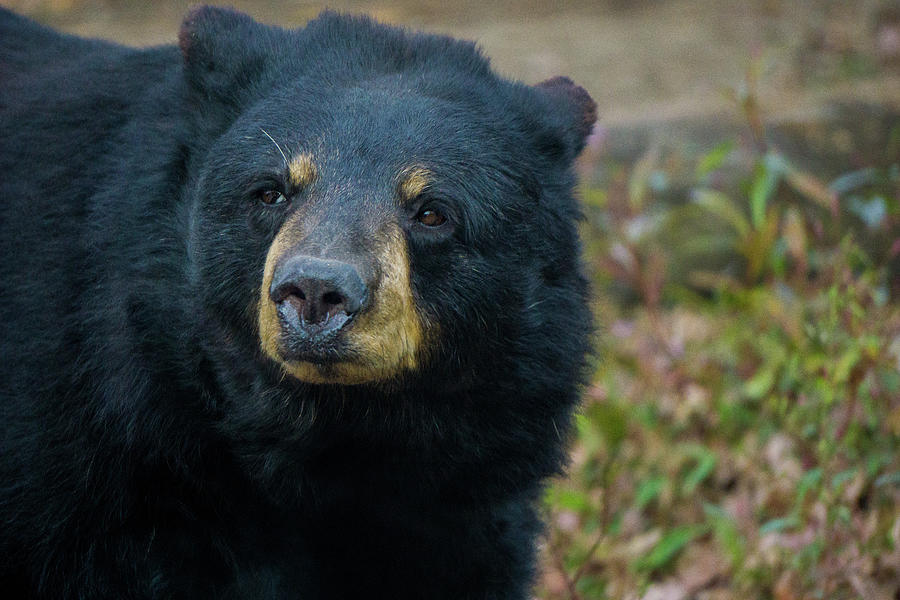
{"type": "Point", "coordinates": [149, 449]}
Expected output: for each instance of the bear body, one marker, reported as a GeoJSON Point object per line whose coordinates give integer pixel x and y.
{"type": "Point", "coordinates": [283, 313]}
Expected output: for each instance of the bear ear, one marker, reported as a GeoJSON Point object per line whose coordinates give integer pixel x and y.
{"type": "Point", "coordinates": [572, 116]}
{"type": "Point", "coordinates": [221, 48]}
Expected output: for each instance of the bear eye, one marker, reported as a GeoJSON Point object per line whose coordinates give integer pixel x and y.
{"type": "Point", "coordinates": [431, 217]}
{"type": "Point", "coordinates": [271, 197]}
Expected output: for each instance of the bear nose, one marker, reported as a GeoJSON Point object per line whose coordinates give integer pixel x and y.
{"type": "Point", "coordinates": [316, 296]}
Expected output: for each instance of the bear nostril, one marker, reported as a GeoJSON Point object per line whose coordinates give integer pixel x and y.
{"type": "Point", "coordinates": [313, 300]}
{"type": "Point", "coordinates": [287, 292]}
{"type": "Point", "coordinates": [332, 298]}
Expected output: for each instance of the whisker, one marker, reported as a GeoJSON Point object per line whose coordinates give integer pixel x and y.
{"type": "Point", "coordinates": [276, 145]}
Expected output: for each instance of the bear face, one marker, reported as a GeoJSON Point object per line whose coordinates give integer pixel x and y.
{"type": "Point", "coordinates": [370, 210]}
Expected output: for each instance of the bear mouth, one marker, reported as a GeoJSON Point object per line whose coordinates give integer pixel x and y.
{"type": "Point", "coordinates": [317, 343]}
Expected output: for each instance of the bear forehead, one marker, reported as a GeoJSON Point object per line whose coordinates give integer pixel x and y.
{"type": "Point", "coordinates": [384, 127]}
{"type": "Point", "coordinates": [387, 108]}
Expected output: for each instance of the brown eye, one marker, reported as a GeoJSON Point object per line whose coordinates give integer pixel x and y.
{"type": "Point", "coordinates": [271, 197]}
{"type": "Point", "coordinates": [431, 218]}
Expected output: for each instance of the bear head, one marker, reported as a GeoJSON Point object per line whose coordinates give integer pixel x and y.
{"type": "Point", "coordinates": [375, 206]}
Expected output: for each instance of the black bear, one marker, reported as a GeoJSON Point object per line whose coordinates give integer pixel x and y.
{"type": "Point", "coordinates": [284, 314]}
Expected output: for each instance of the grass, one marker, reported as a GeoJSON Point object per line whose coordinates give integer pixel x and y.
{"type": "Point", "coordinates": [740, 437]}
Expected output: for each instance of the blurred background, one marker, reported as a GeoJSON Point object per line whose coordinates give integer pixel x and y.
{"type": "Point", "coordinates": [740, 435]}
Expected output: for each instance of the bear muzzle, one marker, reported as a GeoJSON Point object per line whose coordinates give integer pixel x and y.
{"type": "Point", "coordinates": [342, 317]}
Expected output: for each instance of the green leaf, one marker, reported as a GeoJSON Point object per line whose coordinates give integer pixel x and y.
{"type": "Point", "coordinates": [566, 499]}
{"type": "Point", "coordinates": [648, 491]}
{"type": "Point", "coordinates": [669, 546]}
{"type": "Point", "coordinates": [845, 364]}
{"type": "Point", "coordinates": [759, 385]}
{"type": "Point", "coordinates": [706, 463]}
{"type": "Point", "coordinates": [872, 212]}
{"type": "Point", "coordinates": [888, 479]}
{"type": "Point", "coordinates": [838, 481]}
{"type": "Point", "coordinates": [723, 207]}
{"type": "Point", "coordinates": [587, 433]}
{"type": "Point", "coordinates": [768, 175]}
{"type": "Point", "coordinates": [593, 197]}
{"type": "Point", "coordinates": [714, 159]}
{"type": "Point", "coordinates": [639, 181]}
{"type": "Point", "coordinates": [779, 524]}
{"type": "Point", "coordinates": [854, 180]}
{"type": "Point", "coordinates": [727, 534]}
{"type": "Point", "coordinates": [611, 420]}
{"type": "Point", "coordinates": [592, 586]}
{"type": "Point", "coordinates": [615, 527]}
{"type": "Point", "coordinates": [809, 481]}
{"type": "Point", "coordinates": [842, 513]}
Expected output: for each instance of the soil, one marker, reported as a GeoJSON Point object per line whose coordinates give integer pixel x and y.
{"type": "Point", "coordinates": [644, 61]}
